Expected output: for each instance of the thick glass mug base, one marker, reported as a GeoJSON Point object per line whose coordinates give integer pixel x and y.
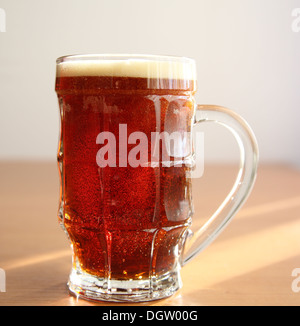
{"type": "Point", "coordinates": [91, 287]}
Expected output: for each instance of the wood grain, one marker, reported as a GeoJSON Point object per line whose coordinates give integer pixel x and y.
{"type": "Point", "coordinates": [250, 263]}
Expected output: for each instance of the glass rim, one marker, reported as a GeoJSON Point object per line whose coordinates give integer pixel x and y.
{"type": "Point", "coordinates": [158, 68]}
{"type": "Point", "coordinates": [125, 57]}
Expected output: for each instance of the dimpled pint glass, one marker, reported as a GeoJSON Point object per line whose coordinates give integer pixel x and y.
{"type": "Point", "coordinates": [126, 159]}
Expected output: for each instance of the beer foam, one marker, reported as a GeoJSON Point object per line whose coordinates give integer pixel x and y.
{"type": "Point", "coordinates": [146, 66]}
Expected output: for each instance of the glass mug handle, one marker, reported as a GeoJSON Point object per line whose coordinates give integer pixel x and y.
{"type": "Point", "coordinates": [242, 187]}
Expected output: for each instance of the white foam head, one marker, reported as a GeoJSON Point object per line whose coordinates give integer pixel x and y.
{"type": "Point", "coordinates": [143, 66]}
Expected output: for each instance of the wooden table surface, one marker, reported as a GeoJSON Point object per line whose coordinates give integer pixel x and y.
{"type": "Point", "coordinates": [250, 263]}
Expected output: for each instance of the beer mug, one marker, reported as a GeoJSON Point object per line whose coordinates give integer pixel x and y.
{"type": "Point", "coordinates": [126, 158]}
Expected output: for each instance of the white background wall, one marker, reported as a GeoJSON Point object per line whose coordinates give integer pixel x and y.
{"type": "Point", "coordinates": [247, 54]}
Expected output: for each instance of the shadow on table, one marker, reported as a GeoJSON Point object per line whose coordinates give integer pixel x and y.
{"type": "Point", "coordinates": [271, 285]}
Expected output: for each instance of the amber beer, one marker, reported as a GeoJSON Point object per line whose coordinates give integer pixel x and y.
{"type": "Point", "coordinates": [124, 222]}
{"type": "Point", "coordinates": [126, 205]}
